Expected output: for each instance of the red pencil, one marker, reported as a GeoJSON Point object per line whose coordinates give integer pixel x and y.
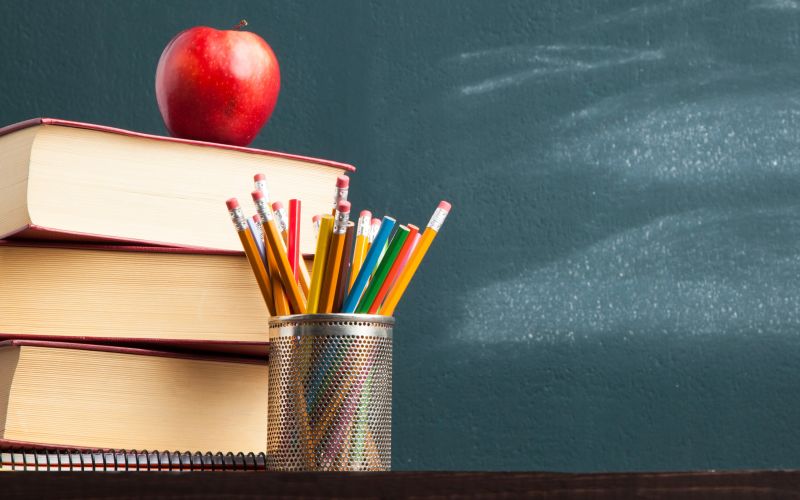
{"type": "Point", "coordinates": [394, 271]}
{"type": "Point", "coordinates": [294, 236]}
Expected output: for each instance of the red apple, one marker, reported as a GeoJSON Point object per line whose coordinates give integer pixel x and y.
{"type": "Point", "coordinates": [218, 86]}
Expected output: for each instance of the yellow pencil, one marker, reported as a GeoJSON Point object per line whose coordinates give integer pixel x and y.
{"type": "Point", "coordinates": [315, 222]}
{"type": "Point", "coordinates": [317, 270]}
{"type": "Point", "coordinates": [297, 301]}
{"type": "Point", "coordinates": [251, 251]}
{"type": "Point", "coordinates": [334, 259]}
{"type": "Point", "coordinates": [362, 244]}
{"type": "Point", "coordinates": [435, 224]}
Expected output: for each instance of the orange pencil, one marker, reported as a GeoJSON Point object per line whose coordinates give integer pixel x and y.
{"type": "Point", "coordinates": [297, 301]}
{"type": "Point", "coordinates": [334, 260]}
{"type": "Point", "coordinates": [342, 188]}
{"type": "Point", "coordinates": [281, 302]}
{"type": "Point", "coordinates": [397, 266]}
{"type": "Point", "coordinates": [278, 294]}
{"type": "Point", "coordinates": [282, 221]}
{"type": "Point", "coordinates": [343, 282]}
{"type": "Point", "coordinates": [251, 251]}
{"type": "Point", "coordinates": [362, 245]}
{"type": "Point", "coordinates": [434, 226]}
{"type": "Point", "coordinates": [260, 184]}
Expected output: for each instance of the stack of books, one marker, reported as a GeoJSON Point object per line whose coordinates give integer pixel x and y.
{"type": "Point", "coordinates": [130, 322]}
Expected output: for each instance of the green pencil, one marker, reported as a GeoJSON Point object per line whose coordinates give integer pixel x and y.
{"type": "Point", "coordinates": [383, 269]}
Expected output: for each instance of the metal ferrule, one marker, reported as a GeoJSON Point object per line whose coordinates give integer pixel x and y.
{"type": "Point", "coordinates": [282, 219]}
{"type": "Point", "coordinates": [263, 210]}
{"type": "Point", "coordinates": [340, 195]}
{"type": "Point", "coordinates": [437, 219]}
{"type": "Point", "coordinates": [340, 223]}
{"type": "Point", "coordinates": [363, 226]}
{"type": "Point", "coordinates": [259, 230]}
{"type": "Point", "coordinates": [262, 186]}
{"type": "Point", "coordinates": [373, 232]}
{"type": "Point", "coordinates": [237, 217]}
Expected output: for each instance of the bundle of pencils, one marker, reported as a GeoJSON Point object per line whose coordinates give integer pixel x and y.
{"type": "Point", "coordinates": [363, 268]}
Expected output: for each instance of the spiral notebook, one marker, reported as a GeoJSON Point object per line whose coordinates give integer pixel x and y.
{"type": "Point", "coordinates": [53, 459]}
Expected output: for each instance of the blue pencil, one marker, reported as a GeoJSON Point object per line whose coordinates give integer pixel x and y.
{"type": "Point", "coordinates": [368, 266]}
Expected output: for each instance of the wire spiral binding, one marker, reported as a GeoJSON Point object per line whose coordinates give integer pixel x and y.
{"type": "Point", "coordinates": [31, 459]}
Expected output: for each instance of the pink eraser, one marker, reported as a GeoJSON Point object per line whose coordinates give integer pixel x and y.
{"type": "Point", "coordinates": [342, 181]}
{"type": "Point", "coordinates": [343, 207]}
{"type": "Point", "coordinates": [259, 177]}
{"type": "Point", "coordinates": [256, 218]}
{"type": "Point", "coordinates": [257, 195]}
{"type": "Point", "coordinates": [233, 203]}
{"type": "Point", "coordinates": [316, 218]}
{"type": "Point", "coordinates": [375, 220]}
{"type": "Point", "coordinates": [365, 213]}
{"type": "Point", "coordinates": [277, 206]}
{"type": "Point", "coordinates": [444, 206]}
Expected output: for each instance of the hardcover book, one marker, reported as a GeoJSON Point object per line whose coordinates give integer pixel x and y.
{"type": "Point", "coordinates": [125, 294]}
{"type": "Point", "coordinates": [98, 397]}
{"type": "Point", "coordinates": [77, 181]}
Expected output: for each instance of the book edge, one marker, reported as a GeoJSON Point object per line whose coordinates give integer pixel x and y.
{"type": "Point", "coordinates": [114, 130]}
{"type": "Point", "coordinates": [101, 242]}
{"type": "Point", "coordinates": [136, 351]}
{"type": "Point", "coordinates": [123, 246]}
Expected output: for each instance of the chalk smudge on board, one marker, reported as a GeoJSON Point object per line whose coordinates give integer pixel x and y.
{"type": "Point", "coordinates": [703, 272]}
{"type": "Point", "coordinates": [522, 64]}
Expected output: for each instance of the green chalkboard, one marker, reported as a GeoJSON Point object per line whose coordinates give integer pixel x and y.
{"type": "Point", "coordinates": [617, 285]}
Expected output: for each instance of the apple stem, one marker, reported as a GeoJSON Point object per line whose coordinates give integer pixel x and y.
{"type": "Point", "coordinates": [241, 24]}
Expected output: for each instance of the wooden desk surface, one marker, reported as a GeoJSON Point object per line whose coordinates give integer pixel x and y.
{"type": "Point", "coordinates": [118, 485]}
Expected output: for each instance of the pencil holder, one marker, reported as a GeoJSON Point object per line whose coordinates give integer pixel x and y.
{"type": "Point", "coordinates": [330, 393]}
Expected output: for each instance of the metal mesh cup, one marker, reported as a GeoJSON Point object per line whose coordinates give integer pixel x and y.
{"type": "Point", "coordinates": [330, 393]}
